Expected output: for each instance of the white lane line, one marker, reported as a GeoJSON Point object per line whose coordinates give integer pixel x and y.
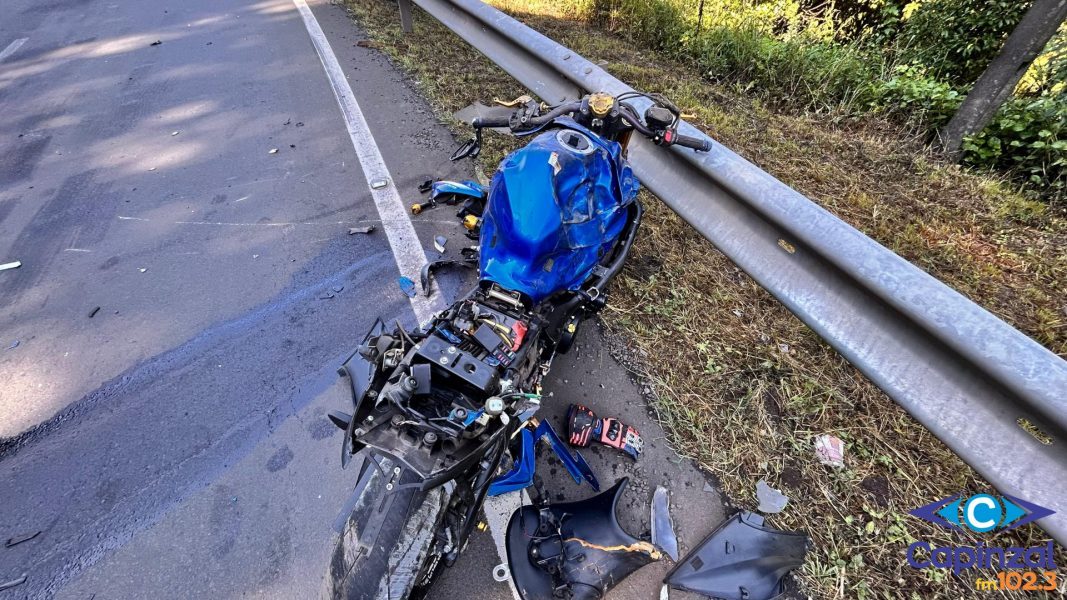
{"type": "Point", "coordinates": [406, 247]}
{"type": "Point", "coordinates": [12, 48]}
{"type": "Point", "coordinates": [407, 250]}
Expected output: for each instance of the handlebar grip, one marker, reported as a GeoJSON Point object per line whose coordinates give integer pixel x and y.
{"type": "Point", "coordinates": [698, 144]}
{"type": "Point", "coordinates": [484, 122]}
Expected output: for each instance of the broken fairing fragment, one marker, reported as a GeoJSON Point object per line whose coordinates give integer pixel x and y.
{"type": "Point", "coordinates": [741, 560]}
{"type": "Point", "coordinates": [575, 550]}
{"type": "Point", "coordinates": [663, 536]}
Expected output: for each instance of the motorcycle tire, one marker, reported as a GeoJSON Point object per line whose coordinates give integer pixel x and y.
{"type": "Point", "coordinates": [386, 548]}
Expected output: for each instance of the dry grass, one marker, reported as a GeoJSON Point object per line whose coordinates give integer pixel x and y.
{"type": "Point", "coordinates": [758, 385]}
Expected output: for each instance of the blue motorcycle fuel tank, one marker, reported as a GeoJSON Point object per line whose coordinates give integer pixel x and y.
{"type": "Point", "coordinates": [555, 207]}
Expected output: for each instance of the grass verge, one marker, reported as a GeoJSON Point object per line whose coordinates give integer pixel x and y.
{"type": "Point", "coordinates": [757, 385]}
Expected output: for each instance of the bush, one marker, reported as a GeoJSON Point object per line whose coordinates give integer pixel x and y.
{"type": "Point", "coordinates": [795, 69]}
{"type": "Point", "coordinates": [1028, 138]}
{"type": "Point", "coordinates": [770, 51]}
{"type": "Point", "coordinates": [916, 97]}
{"type": "Point", "coordinates": [957, 39]}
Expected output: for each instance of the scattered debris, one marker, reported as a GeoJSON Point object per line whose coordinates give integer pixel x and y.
{"type": "Point", "coordinates": [143, 270]}
{"type": "Point", "coordinates": [18, 539]}
{"type": "Point", "coordinates": [439, 243]}
{"type": "Point", "coordinates": [156, 43]}
{"type": "Point", "coordinates": [364, 229]}
{"type": "Point", "coordinates": [14, 344]}
{"type": "Point", "coordinates": [11, 265]}
{"type": "Point", "coordinates": [429, 268]}
{"type": "Point", "coordinates": [407, 286]}
{"type": "Point", "coordinates": [326, 296]}
{"type": "Point", "coordinates": [830, 451]}
{"type": "Point", "coordinates": [13, 582]}
{"type": "Point", "coordinates": [663, 536]}
{"type": "Point", "coordinates": [378, 184]}
{"type": "Point", "coordinates": [92, 313]}
{"type": "Point", "coordinates": [273, 151]}
{"type": "Point", "coordinates": [151, 168]}
{"type": "Point", "coordinates": [770, 500]}
{"type": "Point", "coordinates": [366, 44]}
{"type": "Point", "coordinates": [338, 288]}
{"type": "Point", "coordinates": [174, 133]}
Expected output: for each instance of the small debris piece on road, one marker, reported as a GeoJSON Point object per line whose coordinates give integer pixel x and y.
{"type": "Point", "coordinates": [11, 265]}
{"type": "Point", "coordinates": [92, 313]}
{"type": "Point", "coordinates": [14, 344]}
{"type": "Point", "coordinates": [364, 229]}
{"type": "Point", "coordinates": [338, 288]}
{"type": "Point", "coordinates": [13, 583]}
{"type": "Point", "coordinates": [378, 184]}
{"type": "Point", "coordinates": [174, 133]}
{"type": "Point", "coordinates": [18, 539]}
{"type": "Point", "coordinates": [366, 44]}
{"type": "Point", "coordinates": [156, 43]}
{"type": "Point", "coordinates": [830, 451]}
{"type": "Point", "coordinates": [770, 500]}
{"type": "Point", "coordinates": [143, 270]}
{"type": "Point", "coordinates": [273, 151]}
{"type": "Point", "coordinates": [439, 243]}
{"type": "Point", "coordinates": [407, 286]}
{"type": "Point", "coordinates": [326, 296]}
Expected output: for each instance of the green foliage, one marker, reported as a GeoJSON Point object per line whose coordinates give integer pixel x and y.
{"type": "Point", "coordinates": [796, 69]}
{"type": "Point", "coordinates": [914, 96]}
{"type": "Point", "coordinates": [1028, 137]}
{"type": "Point", "coordinates": [956, 39]}
{"type": "Point", "coordinates": [798, 54]}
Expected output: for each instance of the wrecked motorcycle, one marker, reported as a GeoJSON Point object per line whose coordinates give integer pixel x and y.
{"type": "Point", "coordinates": [436, 410]}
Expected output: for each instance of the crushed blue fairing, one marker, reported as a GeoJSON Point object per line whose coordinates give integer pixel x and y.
{"type": "Point", "coordinates": [549, 221]}
{"type": "Point", "coordinates": [521, 474]}
{"type": "Point", "coordinates": [466, 187]}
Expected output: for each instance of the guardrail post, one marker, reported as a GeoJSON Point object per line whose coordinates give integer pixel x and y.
{"type": "Point", "coordinates": [405, 15]}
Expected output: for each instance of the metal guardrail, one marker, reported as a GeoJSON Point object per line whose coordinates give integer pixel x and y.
{"type": "Point", "coordinates": [960, 371]}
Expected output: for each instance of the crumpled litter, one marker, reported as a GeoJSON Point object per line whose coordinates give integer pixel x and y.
{"type": "Point", "coordinates": [830, 451]}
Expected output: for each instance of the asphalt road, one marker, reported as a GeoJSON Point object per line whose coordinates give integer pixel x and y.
{"type": "Point", "coordinates": [172, 443]}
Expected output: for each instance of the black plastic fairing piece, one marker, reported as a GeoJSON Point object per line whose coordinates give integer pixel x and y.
{"type": "Point", "coordinates": [360, 373]}
{"type": "Point", "coordinates": [741, 560]}
{"type": "Point", "coordinates": [575, 550]}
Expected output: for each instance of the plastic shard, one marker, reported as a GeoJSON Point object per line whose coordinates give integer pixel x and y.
{"type": "Point", "coordinates": [742, 559]}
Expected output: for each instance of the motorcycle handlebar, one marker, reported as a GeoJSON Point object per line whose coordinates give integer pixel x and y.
{"type": "Point", "coordinates": [695, 143]}
{"type": "Point", "coordinates": [486, 122]}
{"type": "Point", "coordinates": [628, 115]}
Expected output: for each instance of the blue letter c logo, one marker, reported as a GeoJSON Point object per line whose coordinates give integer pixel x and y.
{"type": "Point", "coordinates": [982, 512]}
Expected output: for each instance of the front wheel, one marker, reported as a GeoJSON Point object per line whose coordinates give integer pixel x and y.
{"type": "Point", "coordinates": [386, 548]}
